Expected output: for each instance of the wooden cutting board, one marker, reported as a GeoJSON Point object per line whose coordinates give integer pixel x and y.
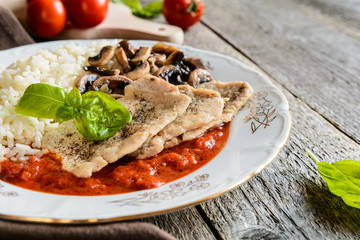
{"type": "Point", "coordinates": [119, 23]}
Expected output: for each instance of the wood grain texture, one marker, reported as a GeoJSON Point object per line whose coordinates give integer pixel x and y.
{"type": "Point", "coordinates": [343, 15]}
{"type": "Point", "coordinates": [315, 62]}
{"type": "Point", "coordinates": [289, 199]}
{"type": "Point", "coordinates": [183, 224]}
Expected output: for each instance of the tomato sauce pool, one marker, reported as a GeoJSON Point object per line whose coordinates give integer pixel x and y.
{"type": "Point", "coordinates": [44, 174]}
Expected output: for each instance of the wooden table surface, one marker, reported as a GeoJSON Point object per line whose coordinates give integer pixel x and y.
{"type": "Point", "coordinates": [311, 50]}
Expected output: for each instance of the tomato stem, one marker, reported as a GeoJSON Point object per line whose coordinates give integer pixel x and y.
{"type": "Point", "coordinates": [192, 7]}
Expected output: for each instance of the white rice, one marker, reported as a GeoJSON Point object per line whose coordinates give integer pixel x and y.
{"type": "Point", "coordinates": [20, 136]}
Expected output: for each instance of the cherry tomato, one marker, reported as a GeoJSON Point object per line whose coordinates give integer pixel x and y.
{"type": "Point", "coordinates": [183, 13]}
{"type": "Point", "coordinates": [86, 13]}
{"type": "Point", "coordinates": [46, 18]}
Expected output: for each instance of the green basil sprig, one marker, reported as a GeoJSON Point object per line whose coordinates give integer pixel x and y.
{"type": "Point", "coordinates": [97, 115]}
{"type": "Point", "coordinates": [342, 178]}
{"type": "Point", "coordinates": [147, 11]}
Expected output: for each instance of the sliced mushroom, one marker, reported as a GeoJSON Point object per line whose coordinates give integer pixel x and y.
{"type": "Point", "coordinates": [122, 59]}
{"type": "Point", "coordinates": [115, 86]}
{"type": "Point", "coordinates": [185, 71]}
{"type": "Point", "coordinates": [112, 82]}
{"type": "Point", "coordinates": [160, 59]}
{"type": "Point", "coordinates": [193, 63]}
{"type": "Point", "coordinates": [118, 91]}
{"type": "Point", "coordinates": [102, 71]}
{"type": "Point", "coordinates": [128, 48]}
{"type": "Point", "coordinates": [174, 58]}
{"type": "Point", "coordinates": [153, 67]}
{"type": "Point", "coordinates": [105, 89]}
{"type": "Point", "coordinates": [84, 80]}
{"type": "Point", "coordinates": [105, 55]}
{"type": "Point", "coordinates": [116, 95]}
{"type": "Point", "coordinates": [140, 71]}
{"type": "Point", "coordinates": [141, 55]}
{"type": "Point", "coordinates": [161, 47]}
{"type": "Point", "coordinates": [199, 76]}
{"type": "Point", "coordinates": [170, 73]}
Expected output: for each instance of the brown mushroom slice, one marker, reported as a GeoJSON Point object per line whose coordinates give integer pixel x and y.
{"type": "Point", "coordinates": [105, 55]}
{"type": "Point", "coordinates": [105, 89]}
{"type": "Point", "coordinates": [128, 48]}
{"type": "Point", "coordinates": [112, 81]}
{"type": "Point", "coordinates": [116, 95]}
{"type": "Point", "coordinates": [174, 58]}
{"type": "Point", "coordinates": [118, 87]}
{"type": "Point", "coordinates": [160, 59]}
{"type": "Point", "coordinates": [142, 54]}
{"type": "Point", "coordinates": [140, 71]}
{"type": "Point", "coordinates": [161, 47]}
{"type": "Point", "coordinates": [119, 90]}
{"type": "Point", "coordinates": [199, 76]}
{"type": "Point", "coordinates": [170, 73]}
{"type": "Point", "coordinates": [193, 63]}
{"type": "Point", "coordinates": [83, 80]}
{"type": "Point", "coordinates": [121, 57]}
{"type": "Point", "coordinates": [102, 71]}
{"type": "Point", "coordinates": [153, 67]}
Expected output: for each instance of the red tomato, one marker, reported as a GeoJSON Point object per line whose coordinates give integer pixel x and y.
{"type": "Point", "coordinates": [86, 13]}
{"type": "Point", "coordinates": [183, 13]}
{"type": "Point", "coordinates": [46, 18]}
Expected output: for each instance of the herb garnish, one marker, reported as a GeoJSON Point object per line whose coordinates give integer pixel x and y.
{"type": "Point", "coordinates": [342, 178]}
{"type": "Point", "coordinates": [147, 11]}
{"type": "Point", "coordinates": [97, 115]}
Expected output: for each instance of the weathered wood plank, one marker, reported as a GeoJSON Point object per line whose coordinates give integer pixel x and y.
{"type": "Point", "coordinates": [182, 224]}
{"type": "Point", "coordinates": [316, 63]}
{"type": "Point", "coordinates": [289, 199]}
{"type": "Point", "coordinates": [343, 15]}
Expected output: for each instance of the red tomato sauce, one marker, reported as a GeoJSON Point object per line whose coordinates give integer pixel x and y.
{"type": "Point", "coordinates": [45, 174]}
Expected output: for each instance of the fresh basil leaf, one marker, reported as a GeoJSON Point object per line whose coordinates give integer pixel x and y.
{"type": "Point", "coordinates": [97, 115]}
{"type": "Point", "coordinates": [352, 200]}
{"type": "Point", "coordinates": [151, 10]}
{"type": "Point", "coordinates": [100, 116]}
{"type": "Point", "coordinates": [342, 178]}
{"type": "Point", "coordinates": [66, 112]}
{"type": "Point", "coordinates": [338, 183]}
{"type": "Point", "coordinates": [70, 109]}
{"type": "Point", "coordinates": [148, 11]}
{"type": "Point", "coordinates": [350, 168]}
{"type": "Point", "coordinates": [133, 4]}
{"type": "Point", "coordinates": [41, 101]}
{"type": "Point", "coordinates": [74, 99]}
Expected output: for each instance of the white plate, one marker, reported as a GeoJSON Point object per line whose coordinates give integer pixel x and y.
{"type": "Point", "coordinates": [251, 146]}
